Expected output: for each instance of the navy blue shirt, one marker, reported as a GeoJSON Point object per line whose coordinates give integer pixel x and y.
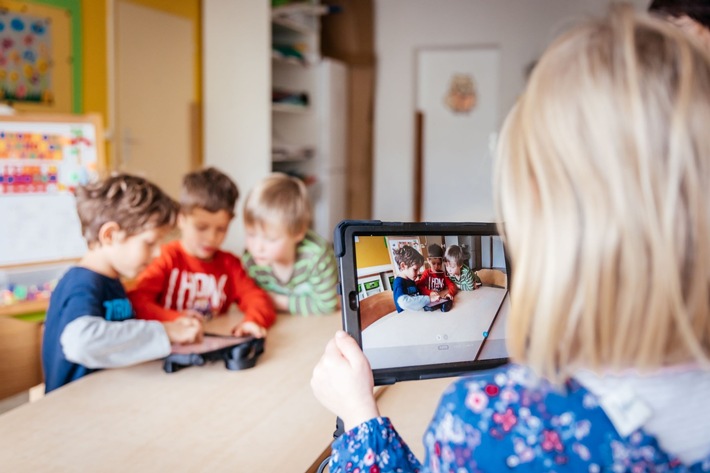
{"type": "Point", "coordinates": [403, 287]}
{"type": "Point", "coordinates": [80, 292]}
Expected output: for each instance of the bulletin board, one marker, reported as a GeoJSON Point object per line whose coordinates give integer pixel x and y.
{"type": "Point", "coordinates": [40, 56]}
{"type": "Point", "coordinates": [42, 161]}
{"type": "Point", "coordinates": [395, 243]}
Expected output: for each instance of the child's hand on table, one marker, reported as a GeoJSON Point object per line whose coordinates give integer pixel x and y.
{"type": "Point", "coordinates": [434, 296]}
{"type": "Point", "coordinates": [193, 314]}
{"type": "Point", "coordinates": [247, 328]}
{"type": "Point", "coordinates": [184, 330]}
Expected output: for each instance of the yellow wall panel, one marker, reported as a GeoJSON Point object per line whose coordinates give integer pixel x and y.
{"type": "Point", "coordinates": [371, 251]}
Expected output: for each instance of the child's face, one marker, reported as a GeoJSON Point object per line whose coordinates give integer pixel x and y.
{"type": "Point", "coordinates": [453, 269]}
{"type": "Point", "coordinates": [203, 232]}
{"type": "Point", "coordinates": [271, 244]}
{"type": "Point", "coordinates": [437, 264]}
{"type": "Point", "coordinates": [409, 272]}
{"type": "Point", "coordinates": [129, 255]}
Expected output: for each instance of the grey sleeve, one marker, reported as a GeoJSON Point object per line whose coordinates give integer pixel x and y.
{"type": "Point", "coordinates": [413, 302]}
{"type": "Point", "coordinates": [97, 343]}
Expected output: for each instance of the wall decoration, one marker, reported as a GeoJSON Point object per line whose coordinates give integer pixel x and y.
{"type": "Point", "coordinates": [457, 102]}
{"type": "Point", "coordinates": [40, 55]}
{"type": "Point", "coordinates": [395, 243]}
{"type": "Point", "coordinates": [43, 158]}
{"type": "Point", "coordinates": [25, 58]}
{"type": "Point", "coordinates": [462, 95]}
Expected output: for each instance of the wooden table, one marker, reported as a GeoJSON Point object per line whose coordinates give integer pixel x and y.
{"type": "Point", "coordinates": [140, 419]}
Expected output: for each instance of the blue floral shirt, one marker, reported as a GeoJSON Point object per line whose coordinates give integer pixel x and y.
{"type": "Point", "coordinates": [508, 420]}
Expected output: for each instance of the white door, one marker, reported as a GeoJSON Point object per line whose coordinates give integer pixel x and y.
{"type": "Point", "coordinates": [154, 134]}
{"type": "Point", "coordinates": [457, 92]}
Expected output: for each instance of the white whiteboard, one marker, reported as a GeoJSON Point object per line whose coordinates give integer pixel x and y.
{"type": "Point", "coordinates": [42, 161]}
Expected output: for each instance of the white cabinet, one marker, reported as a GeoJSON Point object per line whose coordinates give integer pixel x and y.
{"type": "Point", "coordinates": [309, 110]}
{"type": "Point", "coordinates": [369, 285]}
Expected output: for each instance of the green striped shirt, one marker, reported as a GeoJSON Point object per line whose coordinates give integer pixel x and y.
{"type": "Point", "coordinates": [312, 289]}
{"type": "Point", "coordinates": [465, 281]}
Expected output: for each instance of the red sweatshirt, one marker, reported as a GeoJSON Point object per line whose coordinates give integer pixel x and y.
{"type": "Point", "coordinates": [435, 281]}
{"type": "Point", "coordinates": [176, 281]}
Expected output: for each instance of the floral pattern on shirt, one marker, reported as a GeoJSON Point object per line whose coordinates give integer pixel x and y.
{"type": "Point", "coordinates": [508, 420]}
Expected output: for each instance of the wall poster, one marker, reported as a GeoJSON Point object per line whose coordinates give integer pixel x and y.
{"type": "Point", "coordinates": [37, 63]}
{"type": "Point", "coordinates": [43, 159]}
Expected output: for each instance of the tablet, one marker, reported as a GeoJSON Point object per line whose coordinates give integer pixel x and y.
{"type": "Point", "coordinates": [238, 353]}
{"type": "Point", "coordinates": [399, 311]}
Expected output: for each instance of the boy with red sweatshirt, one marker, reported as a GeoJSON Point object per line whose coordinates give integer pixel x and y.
{"type": "Point", "coordinates": [434, 279]}
{"type": "Point", "coordinates": [192, 276]}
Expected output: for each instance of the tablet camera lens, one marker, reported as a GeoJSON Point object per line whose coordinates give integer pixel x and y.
{"type": "Point", "coordinates": [352, 300]}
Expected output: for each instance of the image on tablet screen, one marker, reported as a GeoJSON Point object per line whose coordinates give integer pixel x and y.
{"type": "Point", "coordinates": [402, 324]}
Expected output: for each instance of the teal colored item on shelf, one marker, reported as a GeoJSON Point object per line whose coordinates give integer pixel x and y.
{"type": "Point", "coordinates": [20, 292]}
{"type": "Point", "coordinates": [288, 52]}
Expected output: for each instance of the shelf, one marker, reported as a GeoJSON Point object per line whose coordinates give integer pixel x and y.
{"type": "Point", "coordinates": [289, 108]}
{"type": "Point", "coordinates": [288, 160]}
{"type": "Point", "coordinates": [292, 25]}
{"type": "Point", "coordinates": [299, 17]}
{"type": "Point", "coordinates": [291, 153]}
{"type": "Point", "coordinates": [292, 61]}
{"type": "Point", "coordinates": [23, 307]}
{"type": "Point", "coordinates": [301, 8]}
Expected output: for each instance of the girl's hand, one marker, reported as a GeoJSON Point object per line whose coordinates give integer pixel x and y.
{"type": "Point", "coordinates": [342, 381]}
{"type": "Point", "coordinates": [434, 296]}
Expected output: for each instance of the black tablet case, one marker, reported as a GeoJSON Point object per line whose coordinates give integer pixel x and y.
{"type": "Point", "coordinates": [242, 354]}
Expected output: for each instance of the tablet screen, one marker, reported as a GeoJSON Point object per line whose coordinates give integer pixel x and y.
{"type": "Point", "coordinates": [425, 299]}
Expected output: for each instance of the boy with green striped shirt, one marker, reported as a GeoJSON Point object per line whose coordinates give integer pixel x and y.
{"type": "Point", "coordinates": [293, 264]}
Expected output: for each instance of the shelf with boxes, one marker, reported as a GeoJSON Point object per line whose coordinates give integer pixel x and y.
{"type": "Point", "coordinates": [26, 289]}
{"type": "Point", "coordinates": [24, 298]}
{"type": "Point", "coordinates": [308, 110]}
{"type": "Point", "coordinates": [372, 281]}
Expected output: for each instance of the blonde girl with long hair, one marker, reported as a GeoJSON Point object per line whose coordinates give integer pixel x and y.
{"type": "Point", "coordinates": [602, 178]}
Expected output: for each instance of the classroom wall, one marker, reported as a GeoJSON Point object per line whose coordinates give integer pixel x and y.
{"type": "Point", "coordinates": [371, 251]}
{"type": "Point", "coordinates": [94, 43]}
{"type": "Point", "coordinates": [95, 75]}
{"type": "Point", "coordinates": [237, 94]}
{"type": "Point", "coordinates": [521, 29]}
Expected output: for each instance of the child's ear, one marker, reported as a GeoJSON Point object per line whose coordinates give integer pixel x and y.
{"type": "Point", "coordinates": [180, 220]}
{"type": "Point", "coordinates": [301, 235]}
{"type": "Point", "coordinates": [108, 233]}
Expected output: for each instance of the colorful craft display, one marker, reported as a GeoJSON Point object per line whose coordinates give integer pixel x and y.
{"type": "Point", "coordinates": [44, 162]}
{"type": "Point", "coordinates": [26, 61]}
{"type": "Point", "coordinates": [31, 146]}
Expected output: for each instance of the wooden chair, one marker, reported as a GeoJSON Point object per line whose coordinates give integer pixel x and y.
{"type": "Point", "coordinates": [20, 347]}
{"type": "Point", "coordinates": [375, 307]}
{"type": "Point", "coordinates": [493, 277]}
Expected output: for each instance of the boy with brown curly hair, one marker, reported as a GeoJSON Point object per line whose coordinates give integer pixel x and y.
{"type": "Point", "coordinates": [90, 322]}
